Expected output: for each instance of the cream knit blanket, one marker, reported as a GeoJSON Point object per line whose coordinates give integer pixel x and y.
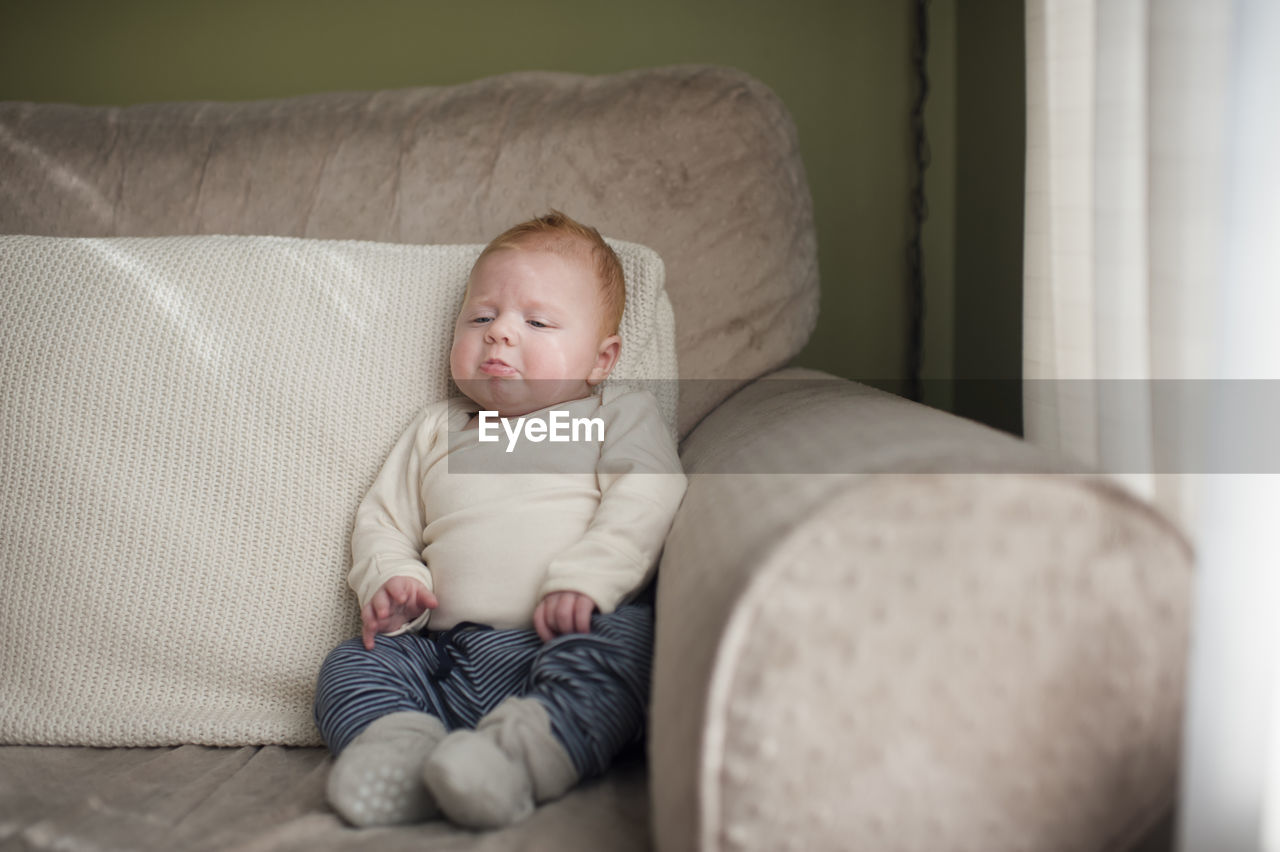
{"type": "Point", "coordinates": [188, 424]}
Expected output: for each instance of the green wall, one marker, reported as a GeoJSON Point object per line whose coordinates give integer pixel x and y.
{"type": "Point", "coordinates": [990, 157]}
{"type": "Point", "coordinates": [842, 66]}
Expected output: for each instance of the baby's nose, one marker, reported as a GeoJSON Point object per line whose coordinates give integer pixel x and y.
{"type": "Point", "coordinates": [502, 329]}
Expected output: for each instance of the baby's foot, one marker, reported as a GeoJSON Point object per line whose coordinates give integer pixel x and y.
{"type": "Point", "coordinates": [493, 776]}
{"type": "Point", "coordinates": [476, 783]}
{"type": "Point", "coordinates": [377, 779]}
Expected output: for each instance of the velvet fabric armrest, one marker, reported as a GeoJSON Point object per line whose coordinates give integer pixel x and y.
{"type": "Point", "coordinates": [879, 622]}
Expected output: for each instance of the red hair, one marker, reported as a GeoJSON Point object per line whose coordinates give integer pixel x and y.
{"type": "Point", "coordinates": [555, 232]}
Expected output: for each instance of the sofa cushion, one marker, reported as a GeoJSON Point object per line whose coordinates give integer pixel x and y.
{"type": "Point", "coordinates": [188, 426]}
{"type": "Point", "coordinates": [269, 799]}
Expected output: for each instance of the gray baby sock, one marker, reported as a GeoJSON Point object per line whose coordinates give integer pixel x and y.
{"type": "Point", "coordinates": [377, 779]}
{"type": "Point", "coordinates": [493, 776]}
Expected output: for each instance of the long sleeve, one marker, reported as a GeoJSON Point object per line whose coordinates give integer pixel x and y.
{"type": "Point", "coordinates": [387, 539]}
{"type": "Point", "coordinates": [641, 486]}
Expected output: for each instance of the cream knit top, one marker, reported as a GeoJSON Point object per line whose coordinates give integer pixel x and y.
{"type": "Point", "coordinates": [491, 532]}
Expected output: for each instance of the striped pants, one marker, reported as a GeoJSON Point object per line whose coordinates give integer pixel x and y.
{"type": "Point", "coordinates": [594, 686]}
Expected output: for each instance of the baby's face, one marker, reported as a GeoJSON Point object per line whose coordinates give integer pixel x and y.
{"type": "Point", "coordinates": [528, 335]}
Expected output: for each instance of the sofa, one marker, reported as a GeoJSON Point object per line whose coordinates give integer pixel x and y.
{"type": "Point", "coordinates": [880, 626]}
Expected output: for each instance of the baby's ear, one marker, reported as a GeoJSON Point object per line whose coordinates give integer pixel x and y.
{"type": "Point", "coordinates": [606, 357]}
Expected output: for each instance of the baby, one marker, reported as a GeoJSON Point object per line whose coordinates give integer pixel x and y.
{"type": "Point", "coordinates": [503, 654]}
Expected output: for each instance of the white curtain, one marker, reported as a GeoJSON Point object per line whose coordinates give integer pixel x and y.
{"type": "Point", "coordinates": [1152, 289]}
{"type": "Point", "coordinates": [1126, 135]}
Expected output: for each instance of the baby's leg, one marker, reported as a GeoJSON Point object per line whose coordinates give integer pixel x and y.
{"type": "Point", "coordinates": [356, 687]}
{"type": "Point", "coordinates": [378, 712]}
{"type": "Point", "coordinates": [377, 780]}
{"type": "Point", "coordinates": [585, 701]}
{"type": "Point", "coordinates": [382, 712]}
{"type": "Point", "coordinates": [595, 686]}
{"type": "Point", "coordinates": [493, 776]}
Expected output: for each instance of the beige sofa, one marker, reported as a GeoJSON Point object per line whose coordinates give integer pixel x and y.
{"type": "Point", "coordinates": [879, 626]}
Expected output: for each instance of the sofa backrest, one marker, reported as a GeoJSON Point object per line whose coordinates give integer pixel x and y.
{"type": "Point", "coordinates": [700, 163]}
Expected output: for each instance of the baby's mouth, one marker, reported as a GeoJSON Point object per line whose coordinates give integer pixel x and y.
{"type": "Point", "coordinates": [497, 367]}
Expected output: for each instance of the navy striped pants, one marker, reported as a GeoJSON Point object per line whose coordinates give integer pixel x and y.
{"type": "Point", "coordinates": [594, 686]}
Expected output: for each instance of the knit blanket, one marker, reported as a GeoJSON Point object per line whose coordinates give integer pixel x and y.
{"type": "Point", "coordinates": [188, 425]}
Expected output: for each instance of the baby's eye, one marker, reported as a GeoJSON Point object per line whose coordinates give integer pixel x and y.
{"type": "Point", "coordinates": [482, 320]}
{"type": "Point", "coordinates": [538, 324]}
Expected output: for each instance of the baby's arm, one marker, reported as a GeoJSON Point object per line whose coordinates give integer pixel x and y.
{"type": "Point", "coordinates": [391, 582]}
{"type": "Point", "coordinates": [641, 485]}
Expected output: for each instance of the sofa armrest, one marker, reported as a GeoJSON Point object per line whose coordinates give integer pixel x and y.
{"type": "Point", "coordinates": [940, 644]}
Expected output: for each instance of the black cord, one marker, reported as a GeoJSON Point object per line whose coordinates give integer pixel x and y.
{"type": "Point", "coordinates": [919, 204]}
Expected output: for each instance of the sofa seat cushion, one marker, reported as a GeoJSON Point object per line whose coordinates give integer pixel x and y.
{"type": "Point", "coordinates": [197, 798]}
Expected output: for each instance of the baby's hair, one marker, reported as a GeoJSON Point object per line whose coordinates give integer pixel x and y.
{"type": "Point", "coordinates": [565, 236]}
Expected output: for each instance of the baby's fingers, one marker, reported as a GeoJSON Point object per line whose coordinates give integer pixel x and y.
{"type": "Point", "coordinates": [368, 627]}
{"type": "Point", "coordinates": [582, 609]}
{"type": "Point", "coordinates": [425, 599]}
{"type": "Point", "coordinates": [540, 623]}
{"type": "Point", "coordinates": [562, 621]}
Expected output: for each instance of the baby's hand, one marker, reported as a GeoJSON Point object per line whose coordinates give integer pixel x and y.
{"type": "Point", "coordinates": [563, 612]}
{"type": "Point", "coordinates": [399, 601]}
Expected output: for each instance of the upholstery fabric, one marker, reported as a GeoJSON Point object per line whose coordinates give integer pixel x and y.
{"type": "Point", "coordinates": [268, 799]}
{"type": "Point", "coordinates": [189, 425]}
{"type": "Point", "coordinates": [930, 635]}
{"type": "Point", "coordinates": [699, 163]}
